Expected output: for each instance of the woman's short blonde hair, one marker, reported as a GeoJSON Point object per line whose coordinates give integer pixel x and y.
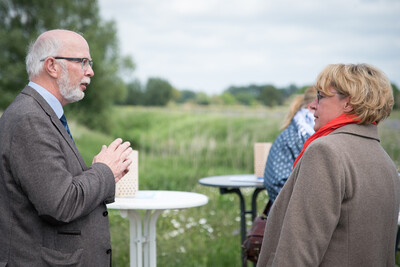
{"type": "Point", "coordinates": [370, 92]}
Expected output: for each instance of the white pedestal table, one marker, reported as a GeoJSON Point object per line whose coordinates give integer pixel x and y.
{"type": "Point", "coordinates": [143, 235]}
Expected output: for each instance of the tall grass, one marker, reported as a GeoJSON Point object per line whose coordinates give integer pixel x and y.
{"type": "Point", "coordinates": [389, 131]}
{"type": "Point", "coordinates": [178, 146]}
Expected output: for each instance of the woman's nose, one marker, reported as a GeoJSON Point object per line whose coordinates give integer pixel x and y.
{"type": "Point", "coordinates": [313, 105]}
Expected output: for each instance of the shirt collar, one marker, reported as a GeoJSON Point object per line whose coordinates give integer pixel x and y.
{"type": "Point", "coordinates": [50, 99]}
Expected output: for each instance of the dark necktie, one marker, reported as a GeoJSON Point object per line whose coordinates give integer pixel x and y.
{"type": "Point", "coordinates": [64, 122]}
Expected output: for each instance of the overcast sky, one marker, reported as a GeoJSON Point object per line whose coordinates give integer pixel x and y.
{"type": "Point", "coordinates": [209, 45]}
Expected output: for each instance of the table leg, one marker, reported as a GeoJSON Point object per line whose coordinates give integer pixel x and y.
{"type": "Point", "coordinates": [254, 202]}
{"type": "Point", "coordinates": [135, 237]}
{"type": "Point", "coordinates": [150, 232]}
{"type": "Point", "coordinates": [146, 245]}
{"type": "Point", "coordinates": [243, 210]}
{"type": "Point", "coordinates": [142, 246]}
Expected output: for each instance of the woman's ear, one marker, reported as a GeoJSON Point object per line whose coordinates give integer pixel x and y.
{"type": "Point", "coordinates": [347, 106]}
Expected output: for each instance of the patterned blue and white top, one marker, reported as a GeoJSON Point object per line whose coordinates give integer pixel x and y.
{"type": "Point", "coordinates": [285, 150]}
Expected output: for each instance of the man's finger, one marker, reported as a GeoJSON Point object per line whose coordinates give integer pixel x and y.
{"type": "Point", "coordinates": [126, 145]}
{"type": "Point", "coordinates": [126, 153]}
{"type": "Point", "coordinates": [115, 144]}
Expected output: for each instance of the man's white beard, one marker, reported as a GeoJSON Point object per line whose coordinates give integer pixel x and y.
{"type": "Point", "coordinates": [68, 92]}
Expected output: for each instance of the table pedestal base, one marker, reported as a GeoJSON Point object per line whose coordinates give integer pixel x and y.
{"type": "Point", "coordinates": [142, 245]}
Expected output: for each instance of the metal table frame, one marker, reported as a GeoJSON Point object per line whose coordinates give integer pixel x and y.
{"type": "Point", "coordinates": [228, 184]}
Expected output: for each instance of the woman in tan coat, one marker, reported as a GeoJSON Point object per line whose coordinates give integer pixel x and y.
{"type": "Point", "coordinates": [340, 205]}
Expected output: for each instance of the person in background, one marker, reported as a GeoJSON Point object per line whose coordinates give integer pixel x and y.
{"type": "Point", "coordinates": [297, 128]}
{"type": "Point", "coordinates": [339, 207]}
{"type": "Point", "coordinates": [53, 207]}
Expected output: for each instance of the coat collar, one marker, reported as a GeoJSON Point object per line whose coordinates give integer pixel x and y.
{"type": "Point", "coordinates": [367, 131]}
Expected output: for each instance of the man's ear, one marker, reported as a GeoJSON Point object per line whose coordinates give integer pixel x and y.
{"type": "Point", "coordinates": [51, 67]}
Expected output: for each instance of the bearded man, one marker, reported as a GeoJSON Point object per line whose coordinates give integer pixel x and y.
{"type": "Point", "coordinates": [53, 207]}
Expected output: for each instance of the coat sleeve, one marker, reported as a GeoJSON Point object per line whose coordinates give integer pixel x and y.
{"type": "Point", "coordinates": [314, 208]}
{"type": "Point", "coordinates": [50, 175]}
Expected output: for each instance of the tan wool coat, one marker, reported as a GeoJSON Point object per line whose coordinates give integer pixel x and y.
{"type": "Point", "coordinates": [339, 207]}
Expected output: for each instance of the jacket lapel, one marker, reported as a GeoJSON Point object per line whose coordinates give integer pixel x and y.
{"type": "Point", "coordinates": [56, 122]}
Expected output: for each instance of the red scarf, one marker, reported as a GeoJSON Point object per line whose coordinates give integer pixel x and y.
{"type": "Point", "coordinates": [337, 122]}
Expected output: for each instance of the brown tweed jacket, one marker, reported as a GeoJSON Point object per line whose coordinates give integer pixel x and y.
{"type": "Point", "coordinates": [52, 205]}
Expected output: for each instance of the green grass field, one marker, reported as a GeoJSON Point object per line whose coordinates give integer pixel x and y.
{"type": "Point", "coordinates": [178, 146]}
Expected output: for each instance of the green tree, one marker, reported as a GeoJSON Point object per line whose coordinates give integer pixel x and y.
{"type": "Point", "coordinates": [21, 21]}
{"type": "Point", "coordinates": [202, 99]}
{"type": "Point", "coordinates": [245, 98]}
{"type": "Point", "coordinates": [223, 99]}
{"type": "Point", "coordinates": [135, 93]}
{"type": "Point", "coordinates": [302, 90]}
{"type": "Point", "coordinates": [270, 96]}
{"type": "Point", "coordinates": [228, 98]}
{"type": "Point", "coordinates": [266, 94]}
{"type": "Point", "coordinates": [186, 95]}
{"type": "Point", "coordinates": [290, 90]}
{"type": "Point", "coordinates": [245, 95]}
{"type": "Point", "coordinates": [396, 96]}
{"type": "Point", "coordinates": [158, 92]}
{"type": "Point", "coordinates": [176, 95]}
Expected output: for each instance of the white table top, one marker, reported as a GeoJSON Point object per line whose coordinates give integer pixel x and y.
{"type": "Point", "coordinates": [233, 181]}
{"type": "Point", "coordinates": [159, 200]}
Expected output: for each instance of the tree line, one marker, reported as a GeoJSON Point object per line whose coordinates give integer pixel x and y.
{"type": "Point", "coordinates": [22, 21]}
{"type": "Point", "coordinates": [159, 92]}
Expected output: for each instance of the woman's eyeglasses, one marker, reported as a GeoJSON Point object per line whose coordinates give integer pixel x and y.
{"type": "Point", "coordinates": [322, 96]}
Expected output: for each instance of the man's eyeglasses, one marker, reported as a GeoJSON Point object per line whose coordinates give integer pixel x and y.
{"type": "Point", "coordinates": [85, 62]}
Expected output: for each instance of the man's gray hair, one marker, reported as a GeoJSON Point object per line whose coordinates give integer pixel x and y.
{"type": "Point", "coordinates": [38, 50]}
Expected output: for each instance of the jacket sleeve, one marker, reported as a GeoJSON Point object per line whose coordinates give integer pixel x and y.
{"type": "Point", "coordinates": [314, 207]}
{"type": "Point", "coordinates": [49, 173]}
